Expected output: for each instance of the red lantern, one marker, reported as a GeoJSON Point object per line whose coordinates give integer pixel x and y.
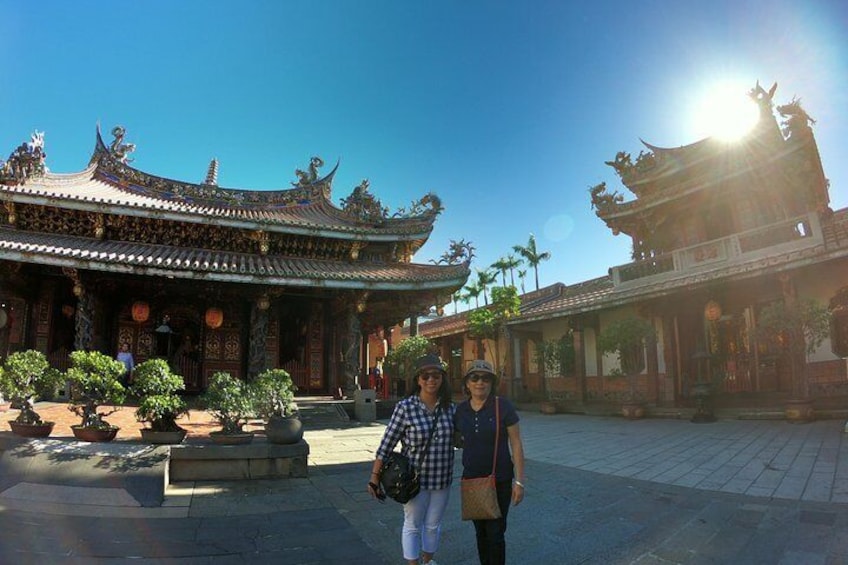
{"type": "Point", "coordinates": [140, 311]}
{"type": "Point", "coordinates": [214, 317]}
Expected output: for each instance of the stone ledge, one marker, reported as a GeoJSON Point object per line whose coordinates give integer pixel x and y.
{"type": "Point", "coordinates": [256, 460]}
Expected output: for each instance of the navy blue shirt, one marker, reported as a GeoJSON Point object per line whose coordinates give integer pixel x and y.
{"type": "Point", "coordinates": [478, 435]}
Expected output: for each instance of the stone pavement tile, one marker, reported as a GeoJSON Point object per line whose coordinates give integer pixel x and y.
{"type": "Point", "coordinates": [791, 487]}
{"type": "Point", "coordinates": [818, 487]}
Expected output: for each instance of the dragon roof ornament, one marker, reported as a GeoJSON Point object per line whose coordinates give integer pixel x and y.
{"type": "Point", "coordinates": [459, 252]}
{"type": "Point", "coordinates": [118, 148]}
{"type": "Point", "coordinates": [27, 161]}
{"type": "Point", "coordinates": [363, 205]}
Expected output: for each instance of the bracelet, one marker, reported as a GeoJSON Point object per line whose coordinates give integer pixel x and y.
{"type": "Point", "coordinates": [519, 483]}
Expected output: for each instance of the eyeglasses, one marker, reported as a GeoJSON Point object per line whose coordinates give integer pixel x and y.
{"type": "Point", "coordinates": [477, 377]}
{"type": "Point", "coordinates": [434, 375]}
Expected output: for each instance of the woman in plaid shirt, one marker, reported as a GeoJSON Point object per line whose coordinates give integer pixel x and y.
{"type": "Point", "coordinates": [411, 423]}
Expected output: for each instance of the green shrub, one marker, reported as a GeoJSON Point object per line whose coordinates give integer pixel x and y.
{"type": "Point", "coordinates": [24, 376]}
{"type": "Point", "coordinates": [157, 387]}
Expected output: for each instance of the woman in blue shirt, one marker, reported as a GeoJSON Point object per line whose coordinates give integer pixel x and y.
{"type": "Point", "coordinates": [475, 422]}
{"type": "Point", "coordinates": [411, 423]}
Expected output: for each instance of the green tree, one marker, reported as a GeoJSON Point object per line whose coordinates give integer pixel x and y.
{"type": "Point", "coordinates": [484, 279]}
{"type": "Point", "coordinates": [532, 256]}
{"type": "Point", "coordinates": [96, 381]}
{"type": "Point", "coordinates": [157, 387]}
{"type": "Point", "coordinates": [800, 328]}
{"type": "Point", "coordinates": [627, 337]}
{"type": "Point", "coordinates": [24, 376]}
{"type": "Point", "coordinates": [401, 359]}
{"type": "Point", "coordinates": [472, 291]}
{"type": "Point", "coordinates": [488, 323]}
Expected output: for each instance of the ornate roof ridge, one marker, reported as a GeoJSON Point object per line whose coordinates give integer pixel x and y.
{"type": "Point", "coordinates": [113, 160]}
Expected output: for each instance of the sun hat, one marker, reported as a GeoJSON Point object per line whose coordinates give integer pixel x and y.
{"type": "Point", "coordinates": [480, 366]}
{"type": "Point", "coordinates": [427, 362]}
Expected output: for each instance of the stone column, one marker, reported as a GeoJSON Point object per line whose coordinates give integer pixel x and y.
{"type": "Point", "coordinates": [257, 360]}
{"type": "Point", "coordinates": [351, 342]}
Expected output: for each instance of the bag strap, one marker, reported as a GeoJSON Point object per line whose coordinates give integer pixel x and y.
{"type": "Point", "coordinates": [426, 449]}
{"type": "Point", "coordinates": [497, 434]}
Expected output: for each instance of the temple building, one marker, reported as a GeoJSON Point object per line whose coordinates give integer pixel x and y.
{"type": "Point", "coordinates": [720, 231]}
{"type": "Point", "coordinates": [209, 278]}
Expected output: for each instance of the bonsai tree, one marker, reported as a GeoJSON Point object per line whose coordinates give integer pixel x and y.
{"type": "Point", "coordinates": [626, 337]}
{"type": "Point", "coordinates": [157, 387]}
{"type": "Point", "coordinates": [230, 400]}
{"type": "Point", "coordinates": [24, 376]}
{"type": "Point", "coordinates": [95, 379]}
{"type": "Point", "coordinates": [799, 328]}
{"type": "Point", "coordinates": [273, 392]}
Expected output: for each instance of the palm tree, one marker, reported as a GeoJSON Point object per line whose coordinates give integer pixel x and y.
{"type": "Point", "coordinates": [522, 274]}
{"type": "Point", "coordinates": [456, 297]}
{"type": "Point", "coordinates": [532, 256]}
{"type": "Point", "coordinates": [472, 290]}
{"type": "Point", "coordinates": [512, 263]}
{"type": "Point", "coordinates": [501, 265]}
{"type": "Point", "coordinates": [484, 279]}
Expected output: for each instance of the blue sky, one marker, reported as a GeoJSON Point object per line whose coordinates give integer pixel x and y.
{"type": "Point", "coordinates": [506, 110]}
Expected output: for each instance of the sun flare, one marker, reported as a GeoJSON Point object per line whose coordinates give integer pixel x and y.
{"type": "Point", "coordinates": [725, 112]}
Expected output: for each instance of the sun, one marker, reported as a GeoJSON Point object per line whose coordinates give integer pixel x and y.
{"type": "Point", "coordinates": [725, 112]}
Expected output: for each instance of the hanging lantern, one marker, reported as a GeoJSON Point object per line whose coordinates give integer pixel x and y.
{"type": "Point", "coordinates": [140, 311]}
{"type": "Point", "coordinates": [264, 302]}
{"type": "Point", "coordinates": [214, 317]}
{"type": "Point", "coordinates": [712, 311]}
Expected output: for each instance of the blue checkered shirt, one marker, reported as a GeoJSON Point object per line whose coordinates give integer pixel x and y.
{"type": "Point", "coordinates": [410, 425]}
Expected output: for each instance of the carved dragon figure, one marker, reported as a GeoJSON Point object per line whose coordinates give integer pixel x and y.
{"type": "Point", "coordinates": [603, 200]}
{"type": "Point", "coordinates": [428, 204]}
{"type": "Point", "coordinates": [26, 161]}
{"type": "Point", "coordinates": [796, 122]}
{"type": "Point", "coordinates": [458, 252]}
{"type": "Point", "coordinates": [363, 204]}
{"type": "Point", "coordinates": [118, 148]}
{"type": "Point", "coordinates": [305, 178]}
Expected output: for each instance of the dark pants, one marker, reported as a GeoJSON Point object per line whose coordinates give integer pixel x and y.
{"type": "Point", "coordinates": [491, 545]}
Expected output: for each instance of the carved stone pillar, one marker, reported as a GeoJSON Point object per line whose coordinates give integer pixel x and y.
{"type": "Point", "coordinates": [84, 321]}
{"type": "Point", "coordinates": [351, 342]}
{"type": "Point", "coordinates": [257, 356]}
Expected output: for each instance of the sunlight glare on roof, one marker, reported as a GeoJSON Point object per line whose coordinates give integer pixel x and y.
{"type": "Point", "coordinates": [725, 112]}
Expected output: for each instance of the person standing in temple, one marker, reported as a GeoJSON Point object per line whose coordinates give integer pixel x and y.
{"type": "Point", "coordinates": [480, 419]}
{"type": "Point", "coordinates": [423, 424]}
{"type": "Point", "coordinates": [126, 357]}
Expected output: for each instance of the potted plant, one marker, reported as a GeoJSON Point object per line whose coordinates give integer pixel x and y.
{"type": "Point", "coordinates": [798, 329]}
{"type": "Point", "coordinates": [231, 402]}
{"type": "Point", "coordinates": [95, 380]}
{"type": "Point", "coordinates": [274, 395]}
{"type": "Point", "coordinates": [626, 338]}
{"type": "Point", "coordinates": [159, 405]}
{"type": "Point", "coordinates": [24, 376]}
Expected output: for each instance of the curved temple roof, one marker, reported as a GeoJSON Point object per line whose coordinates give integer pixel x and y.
{"type": "Point", "coordinates": [110, 186]}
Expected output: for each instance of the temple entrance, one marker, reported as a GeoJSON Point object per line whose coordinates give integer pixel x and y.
{"type": "Point", "coordinates": [178, 341]}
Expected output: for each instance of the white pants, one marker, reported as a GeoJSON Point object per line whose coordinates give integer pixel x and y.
{"type": "Point", "coordinates": [422, 522]}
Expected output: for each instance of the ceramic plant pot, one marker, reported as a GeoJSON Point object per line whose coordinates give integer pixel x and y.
{"type": "Point", "coordinates": [95, 434]}
{"type": "Point", "coordinates": [284, 430]}
{"type": "Point", "coordinates": [31, 430]}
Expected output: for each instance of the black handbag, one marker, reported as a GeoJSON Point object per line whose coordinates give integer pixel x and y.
{"type": "Point", "coordinates": [399, 477]}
